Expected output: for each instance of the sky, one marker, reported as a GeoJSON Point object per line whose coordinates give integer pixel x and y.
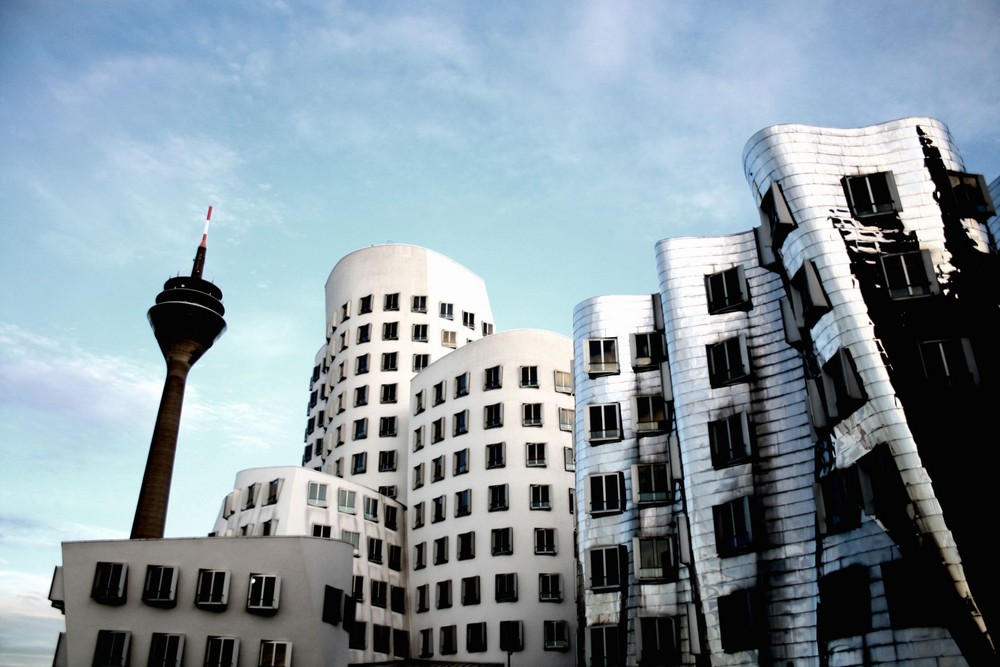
{"type": "Point", "coordinates": [544, 145]}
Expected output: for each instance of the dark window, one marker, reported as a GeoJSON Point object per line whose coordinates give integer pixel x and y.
{"type": "Point", "coordinates": [390, 331]}
{"type": "Point", "coordinates": [658, 641]}
{"type": "Point", "coordinates": [556, 635]}
{"type": "Point", "coordinates": [365, 306]}
{"type": "Point", "coordinates": [730, 440]}
{"type": "Point", "coordinates": [534, 454]}
{"type": "Point", "coordinates": [470, 590]}
{"type": "Point", "coordinates": [502, 541]}
{"type": "Point", "coordinates": [358, 588]}
{"type": "Point", "coordinates": [420, 362]}
{"type": "Point", "coordinates": [775, 217]}
{"type": "Point", "coordinates": [381, 638]}
{"type": "Point", "coordinates": [444, 594]}
{"type": "Point", "coordinates": [461, 385]}
{"type": "Point", "coordinates": [493, 378]}
{"type": "Point", "coordinates": [397, 599]}
{"type": "Point", "coordinates": [909, 274]}
{"type": "Point", "coordinates": [842, 386]}
{"type": "Point", "coordinates": [423, 598]}
{"type": "Point", "coordinates": [549, 588]}
{"type": "Point", "coordinates": [540, 496]}
{"type": "Point", "coordinates": [437, 430]}
{"type": "Point", "coordinates": [531, 414]}
{"type": "Point", "coordinates": [495, 455]}
{"type": "Point", "coordinates": [438, 505]}
{"type": "Point", "coordinates": [379, 591]}
{"type": "Point", "coordinates": [420, 333]}
{"type": "Point", "coordinates": [166, 650]}
{"type": "Point", "coordinates": [461, 462]}
{"type": "Point", "coordinates": [333, 605]}
{"type": "Point", "coordinates": [212, 590]}
{"type": "Point", "coordinates": [506, 587]}
{"type": "Point", "coordinates": [391, 301]}
{"type": "Point", "coordinates": [361, 395]}
{"type": "Point", "coordinates": [264, 591]}
{"type": "Point", "coordinates": [545, 541]}
{"type": "Point", "coordinates": [657, 558]}
{"type": "Point", "coordinates": [727, 291]}
{"type": "Point", "coordinates": [361, 365]}
{"type": "Point", "coordinates": [604, 649]}
{"type": "Point", "coordinates": [606, 493]}
{"type": "Point", "coordinates": [872, 194]}
{"type": "Point", "coordinates": [364, 333]}
{"type": "Point", "coordinates": [734, 526]}
{"type": "Point", "coordinates": [653, 481]}
{"type": "Point", "coordinates": [389, 393]}
{"type": "Point", "coordinates": [648, 351]}
{"type": "Point", "coordinates": [401, 643]}
{"type": "Point", "coordinates": [447, 310]}
{"type": "Point", "coordinates": [529, 376]}
{"type": "Point", "coordinates": [361, 428]}
{"type": "Point", "coordinates": [838, 510]}
{"type": "Point", "coordinates": [602, 356]}
{"type": "Point", "coordinates": [498, 498]}
{"type": "Point", "coordinates": [606, 565]}
{"type": "Point", "coordinates": [605, 423]}
{"type": "Point", "coordinates": [112, 648]}
{"type": "Point", "coordinates": [651, 415]}
{"type": "Point", "coordinates": [437, 468]}
{"type": "Point", "coordinates": [468, 320]}
{"type": "Point", "coordinates": [426, 642]}
{"type": "Point", "coordinates": [466, 545]}
{"type": "Point", "coordinates": [493, 415]}
{"type": "Point", "coordinates": [359, 463]}
{"type": "Point", "coordinates": [395, 557]}
{"type": "Point", "coordinates": [741, 618]}
{"type": "Point", "coordinates": [160, 587]}
{"type": "Point", "coordinates": [971, 195]}
{"type": "Point", "coordinates": [110, 583]}
{"type": "Point", "coordinates": [949, 362]}
{"type": "Point", "coordinates": [449, 639]}
{"type": "Point", "coordinates": [511, 636]}
{"type": "Point", "coordinates": [419, 304]}
{"type": "Point", "coordinates": [844, 603]}
{"type": "Point", "coordinates": [728, 362]}
{"type": "Point", "coordinates": [389, 361]}
{"type": "Point", "coordinates": [441, 550]}
{"type": "Point", "coordinates": [387, 427]}
{"type": "Point", "coordinates": [358, 639]}
{"type": "Point", "coordinates": [463, 502]}
{"type": "Point", "coordinates": [912, 603]}
{"type": "Point", "coordinates": [375, 549]}
{"type": "Point", "coordinates": [460, 423]}
{"type": "Point", "coordinates": [222, 651]}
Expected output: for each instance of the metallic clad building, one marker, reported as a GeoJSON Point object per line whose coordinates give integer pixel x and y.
{"type": "Point", "coordinates": [827, 376]}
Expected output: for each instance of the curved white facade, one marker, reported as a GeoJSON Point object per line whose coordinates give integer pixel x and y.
{"type": "Point", "coordinates": [490, 482]}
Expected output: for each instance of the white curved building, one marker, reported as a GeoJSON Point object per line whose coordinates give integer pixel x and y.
{"type": "Point", "coordinates": [391, 310]}
{"type": "Point", "coordinates": [491, 502]}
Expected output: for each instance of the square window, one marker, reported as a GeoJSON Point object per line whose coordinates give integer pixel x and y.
{"type": "Point", "coordinates": [389, 361]}
{"type": "Point", "coordinates": [493, 378]}
{"type": "Point", "coordinates": [729, 362]}
{"type": "Point", "coordinates": [651, 415]}
{"type": "Point", "coordinates": [529, 376]}
{"type": "Point", "coordinates": [460, 423]}
{"type": "Point", "coordinates": [449, 339]}
{"type": "Point", "coordinates": [263, 595]}
{"type": "Point", "coordinates": [461, 385]}
{"type": "Point", "coordinates": [606, 493]}
{"type": "Point", "coordinates": [531, 414]}
{"type": "Point", "coordinates": [872, 194]}
{"type": "Point", "coordinates": [602, 356]}
{"type": "Point", "coordinates": [606, 564]}
{"type": "Point", "coordinates": [444, 594]}
{"type": "Point", "coordinates": [949, 362]}
{"type": "Point", "coordinates": [727, 291]}
{"type": "Point", "coordinates": [506, 587]}
{"type": "Point", "coordinates": [556, 635]}
{"type": "Point", "coordinates": [391, 301]}
{"type": "Point", "coordinates": [545, 542]}
{"type": "Point", "coordinates": [605, 423]}
{"type": "Point", "coordinates": [346, 501]}
{"type": "Point", "coordinates": [317, 495]}
{"type": "Point", "coordinates": [495, 455]}
{"type": "Point", "coordinates": [487, 328]}
{"type": "Point", "coordinates": [734, 526]}
{"type": "Point", "coordinates": [971, 195]}
{"type": "Point", "coordinates": [220, 652]}
{"type": "Point", "coordinates": [387, 427]}
{"type": "Point", "coordinates": [498, 498]}
{"type": "Point", "coordinates": [110, 583]}
{"type": "Point", "coordinates": [657, 559]}
{"type": "Point", "coordinates": [909, 274]}
{"type": "Point", "coordinates": [354, 538]}
{"type": "Point", "coordinates": [447, 310]}
{"type": "Point", "coordinates": [389, 393]}
{"type": "Point", "coordinates": [359, 463]}
{"type": "Point", "coordinates": [467, 545]}
{"type": "Point", "coordinates": [420, 362]}
{"type": "Point", "coordinates": [730, 440]}
{"type": "Point", "coordinates": [160, 587]}
{"type": "Point", "coordinates": [463, 502]}
{"type": "Point", "coordinates": [648, 351]}
{"type": "Point", "coordinates": [470, 591]}
{"type": "Point", "coordinates": [540, 497]}
{"type": "Point", "coordinates": [387, 460]}
{"type": "Point", "coordinates": [212, 591]}
{"type": "Point", "coordinates": [493, 415]}
{"type": "Point", "coordinates": [549, 588]}
{"type": "Point", "coordinates": [468, 320]}
{"type": "Point", "coordinates": [166, 650]}
{"type": "Point", "coordinates": [502, 541]}
{"type": "Point", "coordinates": [461, 462]}
{"type": "Point", "coordinates": [419, 304]}
{"type": "Point", "coordinates": [420, 333]}
{"type": "Point", "coordinates": [112, 647]}
{"type": "Point", "coordinates": [653, 483]}
{"type": "Point", "coordinates": [390, 331]}
{"type": "Point", "coordinates": [535, 454]}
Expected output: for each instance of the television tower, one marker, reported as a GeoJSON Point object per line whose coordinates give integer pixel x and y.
{"type": "Point", "coordinates": [186, 320]}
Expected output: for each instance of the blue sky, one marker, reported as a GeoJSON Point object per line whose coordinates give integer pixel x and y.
{"type": "Point", "coordinates": [546, 146]}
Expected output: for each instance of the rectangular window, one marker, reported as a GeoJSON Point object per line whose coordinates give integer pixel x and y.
{"type": "Point", "coordinates": [909, 274]}
{"type": "Point", "coordinates": [112, 648]}
{"type": "Point", "coordinates": [493, 378]}
{"type": "Point", "coordinates": [461, 462]}
{"type": "Point", "coordinates": [418, 475]}
{"type": "Point", "coordinates": [567, 419]}
{"type": "Point", "coordinates": [395, 557]}
{"type": "Point", "coordinates": [387, 427]}
{"type": "Point", "coordinates": [651, 415]}
{"type": "Point", "coordinates": [545, 541]}
{"type": "Point", "coordinates": [397, 599]}
{"type": "Point", "coordinates": [872, 194]}
{"type": "Point", "coordinates": [446, 310]}
{"type": "Point", "coordinates": [842, 386]}
{"type": "Point", "coordinates": [556, 635]}
{"type": "Point", "coordinates": [658, 640]}
{"type": "Point", "coordinates": [652, 481]}
{"type": "Point", "coordinates": [605, 423]}
{"type": "Point", "coordinates": [506, 587]}
{"type": "Point", "coordinates": [493, 415]}
{"type": "Point", "coordinates": [741, 620]}
{"type": "Point", "coordinates": [360, 428]}
{"type": "Point", "coordinates": [487, 328]}
{"type": "Point", "coordinates": [364, 333]}
{"type": "Point", "coordinates": [606, 564]}
{"type": "Point", "coordinates": [420, 333]}
{"type": "Point", "coordinates": [110, 583]}
{"type": "Point", "coordinates": [463, 502]}
{"type": "Point", "coordinates": [222, 652]}
{"type": "Point", "coordinates": [461, 385]}
{"type": "Point", "coordinates": [379, 591]}
{"type": "Point", "coordinates": [437, 430]}
{"type": "Point", "coordinates": [391, 301]}
{"type": "Point", "coordinates": [418, 438]}
{"type": "Point", "coordinates": [419, 304]}
{"type": "Point", "coordinates": [438, 509]}
{"type": "Point", "coordinates": [251, 497]}
{"type": "Point", "coordinates": [371, 509]}
{"type": "Point", "coordinates": [389, 361]}
{"type": "Point", "coordinates": [443, 590]}
{"type": "Point", "coordinates": [569, 460]}
{"type": "Point", "coordinates": [606, 493]}
{"type": "Point", "coordinates": [729, 362]}
{"type": "Point", "coordinates": [317, 495]}
{"type": "Point", "coordinates": [346, 501]}
{"type": "Point", "coordinates": [495, 455]}
{"type": "Point", "coordinates": [264, 591]}
{"type": "Point", "coordinates": [467, 545]}
{"type": "Point", "coordinates": [549, 589]}
{"type": "Point", "coordinates": [470, 591]}
{"type": "Point", "coordinates": [475, 637]}
{"type": "Point", "coordinates": [343, 342]}
{"type": "Point", "coordinates": [460, 423]}
{"type": "Point", "coordinates": [381, 638]}
{"type": "Point", "coordinates": [160, 587]}
{"type": "Point", "coordinates": [441, 550]}
{"type": "Point", "coordinates": [971, 195]}
{"type": "Point", "coordinates": [389, 393]}
{"type": "Point", "coordinates": [648, 350]}
{"type": "Point", "coordinates": [949, 362]}
{"type": "Point", "coordinates": [420, 362]}
{"type": "Point", "coordinates": [498, 498]}
{"type": "Point", "coordinates": [390, 331]}
{"type": "Point", "coordinates": [502, 541]}
{"type": "Point", "coordinates": [437, 468]}
{"type": "Point", "coordinates": [535, 454]}
{"type": "Point", "coordinates": [468, 320]}
{"type": "Point", "coordinates": [420, 557]}
{"type": "Point", "coordinates": [727, 291]}
{"type": "Point", "coordinates": [730, 440]}
{"type": "Point", "coordinates": [165, 650]}
{"type": "Point", "coordinates": [361, 365]}
{"type": "Point", "coordinates": [361, 395]}
{"type": "Point", "coordinates": [449, 339]}
{"type": "Point", "coordinates": [564, 382]}
{"type": "Point", "coordinates": [387, 460]}
{"type": "Point", "coordinates": [354, 538]}
{"type": "Point", "coordinates": [531, 414]}
{"type": "Point", "coordinates": [734, 526]}
{"type": "Point", "coordinates": [845, 608]}
{"type": "Point", "coordinates": [449, 640]}
{"type": "Point", "coordinates": [656, 558]}
{"type": "Point", "coordinates": [359, 463]}
{"type": "Point", "coordinates": [602, 356]}
{"type": "Point", "coordinates": [272, 491]}
{"type": "Point", "coordinates": [358, 637]}
{"type": "Point", "coordinates": [358, 588]}
{"type": "Point", "coordinates": [212, 591]}
{"type": "Point", "coordinates": [365, 305]}
{"type": "Point", "coordinates": [321, 530]}
{"type": "Point", "coordinates": [426, 643]}
{"type": "Point", "coordinates": [529, 376]}
{"type": "Point", "coordinates": [540, 497]}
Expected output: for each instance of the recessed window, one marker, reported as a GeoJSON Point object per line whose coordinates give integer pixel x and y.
{"type": "Point", "coordinates": [395, 558]}
{"type": "Point", "coordinates": [358, 637]}
{"type": "Point", "coordinates": [160, 587]}
{"type": "Point", "coordinates": [437, 468]}
{"type": "Point", "coordinates": [354, 538]}
{"type": "Point", "coordinates": [439, 393]}
{"type": "Point", "coordinates": [460, 423]}
{"type": "Point", "coordinates": [110, 583]}
{"type": "Point", "coordinates": [420, 333]}
{"type": "Point", "coordinates": [418, 475]}
{"type": "Point", "coordinates": [605, 423]}
{"type": "Point", "coordinates": [463, 502]}
{"type": "Point", "coordinates": [420, 561]}
{"type": "Point", "coordinates": [361, 365]}
{"type": "Point", "coordinates": [251, 497]}
{"type": "Point", "coordinates": [836, 508]}
{"type": "Point", "coordinates": [493, 415]}
{"type": "Point", "coordinates": [741, 620]}
{"type": "Point", "coordinates": [438, 505]}
{"type": "Point", "coordinates": [845, 608]}
{"type": "Point", "coordinates": [437, 430]}
{"type": "Point", "coordinates": [556, 635]}
{"type": "Point", "coordinates": [420, 362]}
{"type": "Point", "coordinates": [397, 599]}
{"type": "Point", "coordinates": [606, 493]}
{"type": "Point", "coordinates": [449, 339]}
{"type": "Point", "coordinates": [466, 545]}
{"type": "Point", "coordinates": [495, 455]}
{"type": "Point", "coordinates": [605, 568]}
{"type": "Point", "coordinates": [651, 415]}
{"type": "Point", "coordinates": [388, 393]}
{"type": "Point", "coordinates": [470, 591]}
{"type": "Point", "coordinates": [387, 427]}
{"type": "Point", "coordinates": [165, 650]}
{"type": "Point", "coordinates": [316, 494]}
{"type": "Point", "coordinates": [506, 587]}
{"type": "Point", "coordinates": [212, 591]}
{"type": "Point", "coordinates": [775, 217]}
{"type": "Point", "coordinates": [390, 331]}
{"type": "Point", "coordinates": [602, 356]}
{"type": "Point", "coordinates": [419, 304]}
{"type": "Point", "coordinates": [502, 541]}
{"type": "Point", "coordinates": [389, 361]}
{"type": "Point", "coordinates": [443, 589]}
{"type": "Point", "coordinates": [360, 428]}
{"type": "Point", "coordinates": [346, 500]}
{"type": "Point", "coordinates": [461, 462]}
{"type": "Point", "coordinates": [531, 414]}
{"type": "Point", "coordinates": [652, 481]}
{"type": "Point", "coordinates": [264, 591]}
{"type": "Point", "coordinates": [391, 301]}
{"type": "Point", "coordinates": [273, 487]}
{"type": "Point", "coordinates": [727, 291]}
{"type": "Point", "coordinates": [909, 274]}
{"type": "Point", "coordinates": [487, 328]}
{"type": "Point", "coordinates": [358, 588]}
{"type": "Point", "coordinates": [220, 652]}
{"type": "Point", "coordinates": [656, 558]}
{"type": "Point", "coordinates": [461, 385]}
{"type": "Point", "coordinates": [359, 463]}
{"type": "Point", "coordinates": [648, 351]}
{"type": "Point", "coordinates": [468, 320]}
{"type": "Point", "coordinates": [112, 647]}
{"type": "Point", "coordinates": [321, 530]}
{"type": "Point", "coordinates": [446, 310]}
{"type": "Point", "coordinates": [498, 498]}
{"type": "Point", "coordinates": [511, 636]}
{"type": "Point", "coordinates": [545, 541]}
{"type": "Point", "coordinates": [731, 440]}
{"type": "Point", "coordinates": [534, 454]}
{"type": "Point", "coordinates": [549, 588]}
{"type": "Point", "coordinates": [343, 344]}
{"type": "Point", "coordinates": [364, 333]}
{"type": "Point", "coordinates": [659, 642]}
{"type": "Point", "coordinates": [371, 509]}
{"type": "Point", "coordinates": [872, 194]}
{"type": "Point", "coordinates": [441, 550]}
{"type": "Point", "coordinates": [361, 395]}
{"type": "Point", "coordinates": [569, 461]}
{"type": "Point", "coordinates": [734, 526]}
{"type": "Point", "coordinates": [449, 640]}
{"type": "Point", "coordinates": [380, 593]}
{"type": "Point", "coordinates": [426, 643]}
{"type": "Point", "coordinates": [493, 378]}
{"type": "Point", "coordinates": [567, 419]}
{"type": "Point", "coordinates": [529, 376]}
{"type": "Point", "coordinates": [381, 638]}
{"type": "Point", "coordinates": [971, 195]}
{"type": "Point", "coordinates": [541, 496]}
{"type": "Point", "coordinates": [564, 382]}
{"type": "Point", "coordinates": [949, 362]}
{"type": "Point", "coordinates": [365, 305]}
{"type": "Point", "coordinates": [729, 362]}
